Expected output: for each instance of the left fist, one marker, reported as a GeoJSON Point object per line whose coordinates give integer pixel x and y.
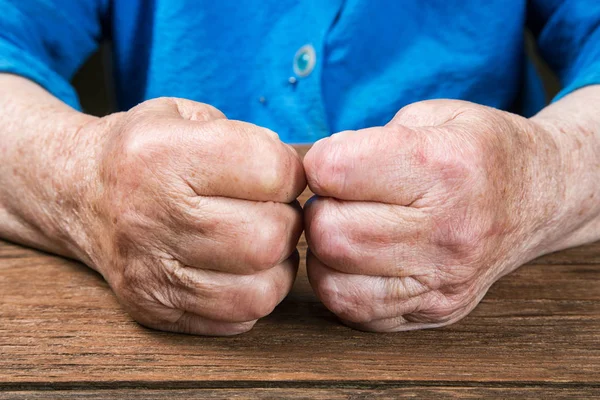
{"type": "Point", "coordinates": [412, 222]}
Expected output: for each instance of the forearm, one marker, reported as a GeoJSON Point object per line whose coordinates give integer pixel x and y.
{"type": "Point", "coordinates": [39, 177]}
{"type": "Point", "coordinates": [574, 122]}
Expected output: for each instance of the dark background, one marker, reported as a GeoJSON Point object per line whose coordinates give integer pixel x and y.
{"type": "Point", "coordinates": [94, 86]}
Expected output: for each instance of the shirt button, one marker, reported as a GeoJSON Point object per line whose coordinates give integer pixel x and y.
{"type": "Point", "coordinates": [305, 60]}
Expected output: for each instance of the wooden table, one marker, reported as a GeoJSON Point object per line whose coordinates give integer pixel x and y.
{"type": "Point", "coordinates": [536, 334]}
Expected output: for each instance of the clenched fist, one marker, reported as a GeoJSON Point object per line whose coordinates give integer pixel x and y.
{"type": "Point", "coordinates": [413, 221]}
{"type": "Point", "coordinates": [192, 217]}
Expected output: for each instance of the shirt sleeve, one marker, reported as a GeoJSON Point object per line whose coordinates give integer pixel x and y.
{"type": "Point", "coordinates": [47, 41]}
{"type": "Point", "coordinates": [568, 36]}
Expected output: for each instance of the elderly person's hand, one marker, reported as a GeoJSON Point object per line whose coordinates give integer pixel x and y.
{"type": "Point", "coordinates": [190, 217]}
{"type": "Point", "coordinates": [413, 221]}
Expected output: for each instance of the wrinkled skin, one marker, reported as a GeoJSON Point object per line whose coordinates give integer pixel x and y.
{"type": "Point", "coordinates": [413, 221]}
{"type": "Point", "coordinates": [192, 217]}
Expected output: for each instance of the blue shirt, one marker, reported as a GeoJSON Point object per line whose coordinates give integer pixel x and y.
{"type": "Point", "coordinates": [362, 60]}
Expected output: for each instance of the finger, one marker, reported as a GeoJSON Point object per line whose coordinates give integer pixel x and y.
{"type": "Point", "coordinates": [215, 156]}
{"type": "Point", "coordinates": [380, 304]}
{"type": "Point", "coordinates": [229, 298]}
{"type": "Point", "coordinates": [232, 235]}
{"type": "Point", "coordinates": [192, 324]}
{"type": "Point", "coordinates": [239, 160]}
{"type": "Point", "coordinates": [362, 299]}
{"type": "Point", "coordinates": [368, 238]}
{"type": "Point", "coordinates": [384, 164]}
{"type": "Point", "coordinates": [429, 315]}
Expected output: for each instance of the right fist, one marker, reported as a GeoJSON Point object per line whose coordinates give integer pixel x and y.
{"type": "Point", "coordinates": [193, 221]}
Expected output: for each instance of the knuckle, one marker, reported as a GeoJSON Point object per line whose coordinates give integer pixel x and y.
{"type": "Point", "coordinates": [134, 224]}
{"type": "Point", "coordinates": [454, 166]}
{"type": "Point", "coordinates": [134, 180]}
{"type": "Point", "coordinates": [325, 166]}
{"type": "Point", "coordinates": [140, 143]}
{"type": "Point", "coordinates": [194, 111]}
{"type": "Point", "coordinates": [158, 101]}
{"type": "Point", "coordinates": [262, 300]}
{"type": "Point", "coordinates": [430, 112]}
{"type": "Point", "coordinates": [277, 176]}
{"type": "Point", "coordinates": [460, 237]}
{"type": "Point", "coordinates": [224, 133]}
{"type": "Point", "coordinates": [268, 247]}
{"type": "Point", "coordinates": [148, 106]}
{"type": "Point", "coordinates": [413, 113]}
{"type": "Point", "coordinates": [222, 126]}
{"type": "Point", "coordinates": [327, 240]}
{"type": "Point", "coordinates": [199, 114]}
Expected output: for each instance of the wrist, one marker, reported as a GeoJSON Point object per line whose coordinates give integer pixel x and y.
{"type": "Point", "coordinates": [80, 204]}
{"type": "Point", "coordinates": [43, 181]}
{"type": "Point", "coordinates": [70, 164]}
{"type": "Point", "coordinates": [576, 173]}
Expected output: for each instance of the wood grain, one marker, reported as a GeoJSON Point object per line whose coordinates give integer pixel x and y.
{"type": "Point", "coordinates": [315, 394]}
{"type": "Point", "coordinates": [536, 331]}
{"type": "Point", "coordinates": [61, 323]}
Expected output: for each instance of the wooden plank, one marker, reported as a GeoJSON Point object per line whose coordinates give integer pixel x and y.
{"type": "Point", "coordinates": [316, 394]}
{"type": "Point", "coordinates": [59, 322]}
